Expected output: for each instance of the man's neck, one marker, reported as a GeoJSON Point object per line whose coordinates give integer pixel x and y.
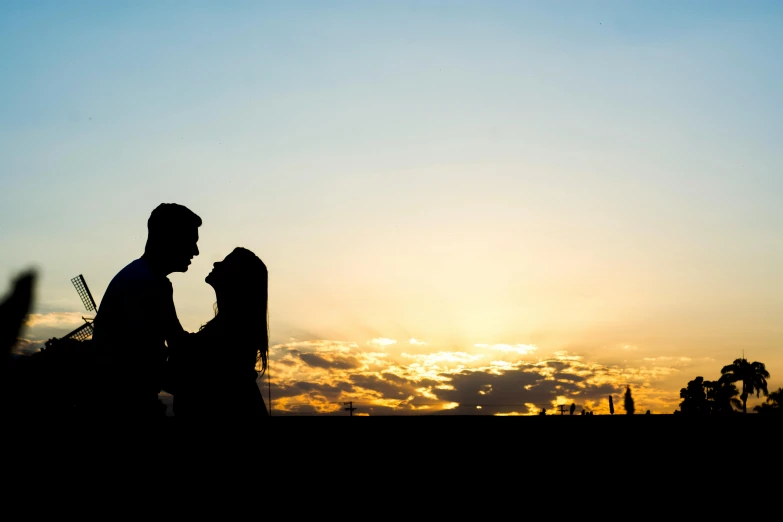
{"type": "Point", "coordinates": [155, 264]}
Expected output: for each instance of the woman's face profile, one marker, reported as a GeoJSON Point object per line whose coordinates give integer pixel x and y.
{"type": "Point", "coordinates": [223, 272]}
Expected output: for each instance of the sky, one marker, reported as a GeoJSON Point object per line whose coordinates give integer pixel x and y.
{"type": "Point", "coordinates": [474, 207]}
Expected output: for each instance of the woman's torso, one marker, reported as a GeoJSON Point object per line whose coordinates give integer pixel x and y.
{"type": "Point", "coordinates": [209, 381]}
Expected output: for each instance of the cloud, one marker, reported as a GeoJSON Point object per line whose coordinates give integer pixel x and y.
{"type": "Point", "coordinates": [26, 346]}
{"type": "Point", "coordinates": [673, 361]}
{"type": "Point", "coordinates": [453, 382]}
{"type": "Point", "coordinates": [320, 345]}
{"type": "Point", "coordinates": [382, 342]}
{"type": "Point", "coordinates": [522, 349]}
{"type": "Point", "coordinates": [416, 341]}
{"type": "Point", "coordinates": [331, 362]}
{"type": "Point", "coordinates": [54, 320]}
{"type": "Point", "coordinates": [51, 325]}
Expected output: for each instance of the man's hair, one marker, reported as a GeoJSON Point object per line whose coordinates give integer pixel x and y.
{"type": "Point", "coordinates": [170, 218]}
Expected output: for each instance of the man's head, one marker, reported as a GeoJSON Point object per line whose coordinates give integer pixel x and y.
{"type": "Point", "coordinates": [172, 234]}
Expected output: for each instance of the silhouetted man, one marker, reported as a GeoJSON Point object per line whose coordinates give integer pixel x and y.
{"type": "Point", "coordinates": [137, 317]}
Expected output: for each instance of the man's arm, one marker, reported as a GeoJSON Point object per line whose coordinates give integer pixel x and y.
{"type": "Point", "coordinates": [173, 332]}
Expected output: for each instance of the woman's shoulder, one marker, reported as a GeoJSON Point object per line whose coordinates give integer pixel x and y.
{"type": "Point", "coordinates": [207, 331]}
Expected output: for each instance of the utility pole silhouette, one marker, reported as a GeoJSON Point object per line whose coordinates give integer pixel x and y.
{"type": "Point", "coordinates": [562, 408]}
{"type": "Point", "coordinates": [350, 407]}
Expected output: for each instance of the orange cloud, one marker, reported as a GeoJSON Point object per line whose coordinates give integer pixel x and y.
{"type": "Point", "coordinates": [316, 377]}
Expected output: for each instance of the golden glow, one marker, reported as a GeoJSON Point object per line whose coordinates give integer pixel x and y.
{"type": "Point", "coordinates": [521, 349]}
{"type": "Point", "coordinates": [502, 364]}
{"type": "Point", "coordinates": [382, 341]}
{"type": "Point", "coordinates": [398, 382]}
{"type": "Point", "coordinates": [427, 392]}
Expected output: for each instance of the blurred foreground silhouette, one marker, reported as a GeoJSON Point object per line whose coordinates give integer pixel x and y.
{"type": "Point", "coordinates": [57, 381]}
{"type": "Point", "coordinates": [13, 310]}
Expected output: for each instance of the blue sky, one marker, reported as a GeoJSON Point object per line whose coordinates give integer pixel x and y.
{"type": "Point", "coordinates": [578, 176]}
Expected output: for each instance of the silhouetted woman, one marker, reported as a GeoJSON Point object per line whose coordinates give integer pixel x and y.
{"type": "Point", "coordinates": [213, 372]}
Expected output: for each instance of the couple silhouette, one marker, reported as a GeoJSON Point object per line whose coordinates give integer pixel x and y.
{"type": "Point", "coordinates": [142, 349]}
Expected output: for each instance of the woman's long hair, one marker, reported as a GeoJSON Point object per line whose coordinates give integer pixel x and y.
{"type": "Point", "coordinates": [244, 301]}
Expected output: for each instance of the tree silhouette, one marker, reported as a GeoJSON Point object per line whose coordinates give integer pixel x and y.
{"type": "Point", "coordinates": [752, 375]}
{"type": "Point", "coordinates": [629, 407]}
{"type": "Point", "coordinates": [694, 398]}
{"type": "Point", "coordinates": [722, 397]}
{"type": "Point", "coordinates": [773, 405]}
{"type": "Point", "coordinates": [611, 406]}
{"type": "Point", "coordinates": [572, 408]}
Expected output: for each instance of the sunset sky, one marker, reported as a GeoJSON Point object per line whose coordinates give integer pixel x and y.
{"type": "Point", "coordinates": [489, 207]}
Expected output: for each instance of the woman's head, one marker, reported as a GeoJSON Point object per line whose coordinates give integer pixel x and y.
{"type": "Point", "coordinates": [241, 283]}
{"type": "Point", "coordinates": [239, 273]}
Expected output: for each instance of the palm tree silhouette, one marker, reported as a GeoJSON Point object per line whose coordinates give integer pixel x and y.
{"type": "Point", "coordinates": [776, 398]}
{"type": "Point", "coordinates": [722, 396]}
{"type": "Point", "coordinates": [774, 403]}
{"type": "Point", "coordinates": [752, 375]}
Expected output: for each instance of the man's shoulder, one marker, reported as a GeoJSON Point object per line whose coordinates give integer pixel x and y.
{"type": "Point", "coordinates": [138, 271]}
{"type": "Point", "coordinates": [136, 278]}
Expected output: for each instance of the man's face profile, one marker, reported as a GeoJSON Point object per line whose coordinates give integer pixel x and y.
{"type": "Point", "coordinates": [183, 248]}
{"type": "Point", "coordinates": [172, 237]}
